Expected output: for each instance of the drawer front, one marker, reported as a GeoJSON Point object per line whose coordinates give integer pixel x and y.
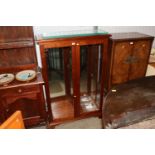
{"type": "Point", "coordinates": [19, 91]}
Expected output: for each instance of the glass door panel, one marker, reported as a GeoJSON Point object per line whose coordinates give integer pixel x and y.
{"type": "Point", "coordinates": [59, 65]}
{"type": "Point", "coordinates": [90, 77]}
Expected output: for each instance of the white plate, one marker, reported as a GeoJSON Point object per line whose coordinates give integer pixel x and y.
{"type": "Point", "coordinates": [6, 78]}
{"type": "Point", "coordinates": [26, 75]}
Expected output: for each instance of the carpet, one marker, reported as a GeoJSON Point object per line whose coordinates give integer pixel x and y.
{"type": "Point", "coordinates": [96, 123]}
{"type": "Point", "coordinates": [89, 123]}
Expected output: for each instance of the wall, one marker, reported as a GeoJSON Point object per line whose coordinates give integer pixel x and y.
{"type": "Point", "coordinates": [49, 29]}
{"type": "Point", "coordinates": [150, 30]}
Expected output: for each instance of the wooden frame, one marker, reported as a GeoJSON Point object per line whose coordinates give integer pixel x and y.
{"type": "Point", "coordinates": [74, 43]}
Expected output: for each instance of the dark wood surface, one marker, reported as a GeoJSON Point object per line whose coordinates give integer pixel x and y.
{"type": "Point", "coordinates": [17, 53]}
{"type": "Point", "coordinates": [74, 107]}
{"type": "Point", "coordinates": [129, 54]}
{"type": "Point", "coordinates": [129, 36]}
{"type": "Point", "coordinates": [129, 103]}
{"type": "Point", "coordinates": [17, 48]}
{"type": "Point", "coordinates": [15, 33]}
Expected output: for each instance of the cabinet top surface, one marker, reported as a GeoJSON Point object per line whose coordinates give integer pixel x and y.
{"type": "Point", "coordinates": [38, 80]}
{"type": "Point", "coordinates": [130, 35]}
{"type": "Point", "coordinates": [70, 34]}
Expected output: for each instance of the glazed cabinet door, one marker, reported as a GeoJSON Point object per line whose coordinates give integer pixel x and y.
{"type": "Point", "coordinates": [141, 52]}
{"type": "Point", "coordinates": [121, 62]}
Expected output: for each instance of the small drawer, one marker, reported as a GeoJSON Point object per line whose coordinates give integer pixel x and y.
{"type": "Point", "coordinates": [19, 91]}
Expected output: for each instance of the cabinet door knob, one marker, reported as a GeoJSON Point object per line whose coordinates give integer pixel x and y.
{"type": "Point", "coordinates": [77, 44]}
{"type": "Point", "coordinates": [143, 45]}
{"type": "Point", "coordinates": [131, 43]}
{"type": "Point", "coordinates": [19, 90]}
{"type": "Point", "coordinates": [73, 43]}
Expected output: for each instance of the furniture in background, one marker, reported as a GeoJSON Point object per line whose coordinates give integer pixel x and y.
{"type": "Point", "coordinates": [17, 53]}
{"type": "Point", "coordinates": [83, 82]}
{"type": "Point", "coordinates": [129, 54]}
{"type": "Point", "coordinates": [15, 121]}
{"type": "Point", "coordinates": [129, 103]}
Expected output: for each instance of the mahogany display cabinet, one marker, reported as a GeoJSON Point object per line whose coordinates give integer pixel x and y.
{"type": "Point", "coordinates": [74, 68]}
{"type": "Point", "coordinates": [17, 53]}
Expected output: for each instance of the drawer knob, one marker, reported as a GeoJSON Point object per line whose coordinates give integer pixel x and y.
{"type": "Point", "coordinates": [73, 43]}
{"type": "Point", "coordinates": [19, 90]}
{"type": "Point", "coordinates": [77, 44]}
{"type": "Point", "coordinates": [131, 43]}
{"type": "Point", "coordinates": [143, 45]}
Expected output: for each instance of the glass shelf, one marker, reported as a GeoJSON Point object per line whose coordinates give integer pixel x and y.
{"type": "Point", "coordinates": [69, 34]}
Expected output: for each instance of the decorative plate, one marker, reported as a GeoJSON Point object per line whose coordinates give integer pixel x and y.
{"type": "Point", "coordinates": [6, 78]}
{"type": "Point", "coordinates": [26, 75]}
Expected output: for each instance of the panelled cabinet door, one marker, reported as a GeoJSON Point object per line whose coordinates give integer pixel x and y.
{"type": "Point", "coordinates": [121, 63]}
{"type": "Point", "coordinates": [27, 104]}
{"type": "Point", "coordinates": [141, 51]}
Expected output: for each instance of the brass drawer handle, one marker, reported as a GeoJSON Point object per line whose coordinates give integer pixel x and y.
{"type": "Point", "coordinates": [143, 45]}
{"type": "Point", "coordinates": [131, 43]}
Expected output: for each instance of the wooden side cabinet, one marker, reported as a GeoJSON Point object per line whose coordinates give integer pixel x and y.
{"type": "Point", "coordinates": [25, 97]}
{"type": "Point", "coordinates": [18, 53]}
{"type": "Point", "coordinates": [129, 57]}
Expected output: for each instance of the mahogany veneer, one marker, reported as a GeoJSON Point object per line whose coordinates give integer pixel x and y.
{"type": "Point", "coordinates": [129, 54]}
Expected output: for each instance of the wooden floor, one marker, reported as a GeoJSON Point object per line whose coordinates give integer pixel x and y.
{"type": "Point", "coordinates": [62, 110]}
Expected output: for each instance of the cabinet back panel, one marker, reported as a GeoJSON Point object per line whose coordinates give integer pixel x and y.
{"type": "Point", "coordinates": [14, 33]}
{"type": "Point", "coordinates": [16, 57]}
